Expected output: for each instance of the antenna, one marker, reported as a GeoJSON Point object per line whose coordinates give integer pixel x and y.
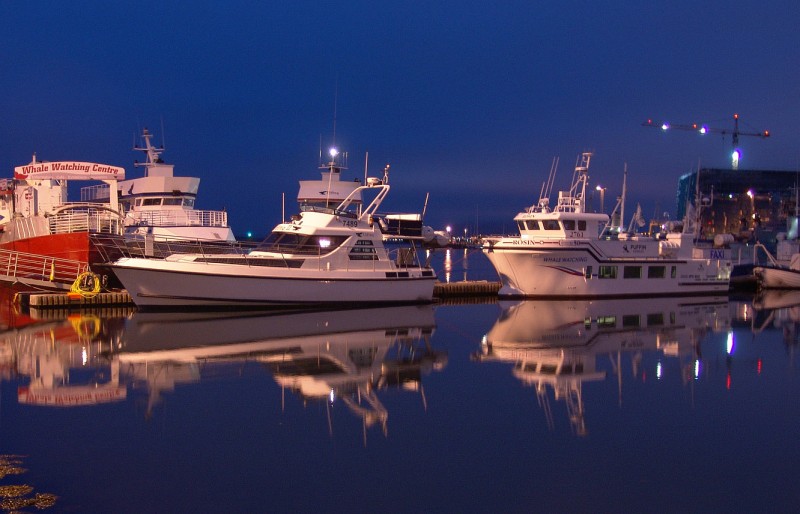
{"type": "Point", "coordinates": [335, 106]}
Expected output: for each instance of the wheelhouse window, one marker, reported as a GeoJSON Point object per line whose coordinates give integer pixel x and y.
{"type": "Point", "coordinates": [607, 272]}
{"type": "Point", "coordinates": [581, 224]}
{"type": "Point", "coordinates": [151, 201]}
{"type": "Point", "coordinates": [173, 201]}
{"type": "Point", "coordinates": [282, 242]}
{"type": "Point", "coordinates": [550, 225]}
{"type": "Point", "coordinates": [532, 224]}
{"type": "Point", "coordinates": [521, 225]}
{"type": "Point", "coordinates": [569, 224]}
{"type": "Point", "coordinates": [632, 272]}
{"type": "Point", "coordinates": [656, 271]}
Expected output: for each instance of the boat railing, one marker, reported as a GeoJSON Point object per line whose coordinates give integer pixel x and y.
{"type": "Point", "coordinates": [177, 217]}
{"type": "Point", "coordinates": [39, 269]}
{"type": "Point", "coordinates": [96, 193]}
{"type": "Point", "coordinates": [84, 219]}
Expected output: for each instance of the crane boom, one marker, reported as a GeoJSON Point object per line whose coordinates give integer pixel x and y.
{"type": "Point", "coordinates": [705, 129]}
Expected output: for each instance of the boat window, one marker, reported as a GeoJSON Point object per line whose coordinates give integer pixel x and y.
{"type": "Point", "coordinates": [588, 273]}
{"type": "Point", "coordinates": [632, 272]}
{"type": "Point", "coordinates": [674, 272]}
{"type": "Point", "coordinates": [284, 242]}
{"type": "Point", "coordinates": [566, 369]}
{"type": "Point", "coordinates": [521, 225]}
{"type": "Point", "coordinates": [172, 201]}
{"type": "Point", "coordinates": [587, 322]}
{"type": "Point", "coordinates": [631, 320]}
{"type": "Point", "coordinates": [532, 224]}
{"type": "Point", "coordinates": [550, 224]}
{"type": "Point", "coordinates": [607, 272]}
{"type": "Point", "coordinates": [569, 224]}
{"type": "Point", "coordinates": [579, 367]}
{"type": "Point", "coordinates": [607, 321]}
{"type": "Point", "coordinates": [656, 272]}
{"type": "Point", "coordinates": [363, 250]}
{"type": "Point", "coordinates": [188, 202]}
{"type": "Point", "coordinates": [581, 224]}
{"type": "Point", "coordinates": [138, 201]}
{"type": "Point", "coordinates": [151, 201]}
{"type": "Point", "coordinates": [655, 320]}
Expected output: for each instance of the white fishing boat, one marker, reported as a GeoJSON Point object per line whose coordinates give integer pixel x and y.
{"type": "Point", "coordinates": [566, 251]}
{"type": "Point", "coordinates": [324, 255]}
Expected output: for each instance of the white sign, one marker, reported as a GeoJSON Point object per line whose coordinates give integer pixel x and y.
{"type": "Point", "coordinates": [69, 170]}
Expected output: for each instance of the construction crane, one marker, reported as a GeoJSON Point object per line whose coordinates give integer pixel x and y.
{"type": "Point", "coordinates": [705, 129]}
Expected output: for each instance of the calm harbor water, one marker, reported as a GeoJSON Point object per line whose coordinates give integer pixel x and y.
{"type": "Point", "coordinates": [657, 405]}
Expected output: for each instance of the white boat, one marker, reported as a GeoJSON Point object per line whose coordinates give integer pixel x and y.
{"type": "Point", "coordinates": [333, 256]}
{"type": "Point", "coordinates": [774, 274]}
{"type": "Point", "coordinates": [565, 251]}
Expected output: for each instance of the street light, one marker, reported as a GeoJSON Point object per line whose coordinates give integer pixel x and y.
{"type": "Point", "coordinates": [602, 197]}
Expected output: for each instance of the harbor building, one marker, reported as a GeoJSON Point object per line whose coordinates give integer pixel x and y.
{"type": "Point", "coordinates": [747, 204]}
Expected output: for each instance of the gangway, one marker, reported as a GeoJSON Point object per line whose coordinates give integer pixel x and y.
{"type": "Point", "coordinates": [39, 270]}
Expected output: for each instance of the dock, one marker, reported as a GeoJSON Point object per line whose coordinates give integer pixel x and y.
{"type": "Point", "coordinates": [447, 291]}
{"type": "Point", "coordinates": [58, 300]}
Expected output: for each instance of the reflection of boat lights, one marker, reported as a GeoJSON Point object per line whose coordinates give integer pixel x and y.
{"type": "Point", "coordinates": [697, 368]}
{"type": "Point", "coordinates": [332, 396]}
{"type": "Point", "coordinates": [448, 265]}
{"type": "Point", "coordinates": [758, 366]}
{"type": "Point", "coordinates": [729, 345]}
{"type": "Point", "coordinates": [84, 356]}
{"type": "Point", "coordinates": [658, 370]}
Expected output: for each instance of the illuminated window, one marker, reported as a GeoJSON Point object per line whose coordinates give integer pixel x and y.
{"type": "Point", "coordinates": [607, 272]}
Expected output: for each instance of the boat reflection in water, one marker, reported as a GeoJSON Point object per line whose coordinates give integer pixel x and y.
{"type": "Point", "coordinates": [778, 309]}
{"type": "Point", "coordinates": [557, 344]}
{"type": "Point", "coordinates": [345, 355]}
{"type": "Point", "coordinates": [63, 361]}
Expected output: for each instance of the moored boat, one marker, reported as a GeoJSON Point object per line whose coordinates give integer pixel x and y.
{"type": "Point", "coordinates": [38, 219]}
{"type": "Point", "coordinates": [566, 251]}
{"type": "Point", "coordinates": [323, 256]}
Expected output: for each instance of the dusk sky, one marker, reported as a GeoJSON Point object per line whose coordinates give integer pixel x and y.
{"type": "Point", "coordinates": [468, 101]}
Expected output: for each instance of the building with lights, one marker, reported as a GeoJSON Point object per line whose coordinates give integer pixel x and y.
{"type": "Point", "coordinates": [748, 204]}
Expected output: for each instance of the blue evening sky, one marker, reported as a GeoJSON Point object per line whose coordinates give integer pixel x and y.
{"type": "Point", "coordinates": [468, 101]}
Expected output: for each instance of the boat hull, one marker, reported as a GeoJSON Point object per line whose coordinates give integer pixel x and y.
{"type": "Point", "coordinates": [578, 271]}
{"type": "Point", "coordinates": [777, 278]}
{"type": "Point", "coordinates": [154, 283]}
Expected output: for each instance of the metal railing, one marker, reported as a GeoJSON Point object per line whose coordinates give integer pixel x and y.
{"type": "Point", "coordinates": [85, 220]}
{"type": "Point", "coordinates": [38, 269]}
{"type": "Point", "coordinates": [178, 217]}
{"type": "Point", "coordinates": [112, 248]}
